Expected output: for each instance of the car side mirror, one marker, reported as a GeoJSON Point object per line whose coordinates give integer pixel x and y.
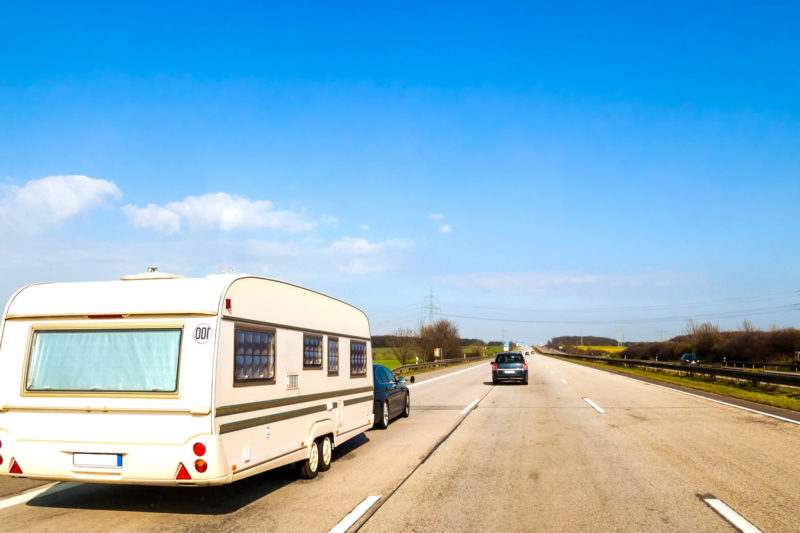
{"type": "Point", "coordinates": [401, 379]}
{"type": "Point", "coordinates": [412, 379]}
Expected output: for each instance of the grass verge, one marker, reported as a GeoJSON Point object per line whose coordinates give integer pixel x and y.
{"type": "Point", "coordinates": [776, 396]}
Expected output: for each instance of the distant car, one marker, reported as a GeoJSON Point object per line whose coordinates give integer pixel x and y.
{"type": "Point", "coordinates": [392, 397]}
{"type": "Point", "coordinates": [689, 359]}
{"type": "Point", "coordinates": [509, 366]}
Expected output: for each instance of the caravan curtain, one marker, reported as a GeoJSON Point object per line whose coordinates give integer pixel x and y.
{"type": "Point", "coordinates": [105, 360]}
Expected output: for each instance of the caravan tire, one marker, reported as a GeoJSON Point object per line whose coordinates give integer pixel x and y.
{"type": "Point", "coordinates": [310, 467]}
{"type": "Point", "coordinates": [325, 453]}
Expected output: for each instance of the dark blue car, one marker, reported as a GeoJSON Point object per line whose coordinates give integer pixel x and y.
{"type": "Point", "coordinates": [391, 396]}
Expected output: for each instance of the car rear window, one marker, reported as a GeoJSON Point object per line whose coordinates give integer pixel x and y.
{"type": "Point", "coordinates": [510, 358]}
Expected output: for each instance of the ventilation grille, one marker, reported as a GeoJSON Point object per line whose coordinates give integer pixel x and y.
{"type": "Point", "coordinates": [292, 381]}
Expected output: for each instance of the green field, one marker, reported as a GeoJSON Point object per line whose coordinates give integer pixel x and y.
{"type": "Point", "coordinates": [391, 364]}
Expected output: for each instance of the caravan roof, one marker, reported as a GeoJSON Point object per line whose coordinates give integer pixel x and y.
{"type": "Point", "coordinates": [175, 296]}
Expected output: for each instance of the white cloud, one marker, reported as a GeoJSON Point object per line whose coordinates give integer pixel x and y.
{"type": "Point", "coordinates": [56, 198]}
{"type": "Point", "coordinates": [436, 216]}
{"type": "Point", "coordinates": [445, 229]}
{"type": "Point", "coordinates": [364, 227]}
{"type": "Point", "coordinates": [216, 211]}
{"type": "Point", "coordinates": [359, 256]}
{"type": "Point", "coordinates": [153, 216]}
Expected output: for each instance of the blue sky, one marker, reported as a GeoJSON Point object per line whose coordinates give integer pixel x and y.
{"type": "Point", "coordinates": [600, 169]}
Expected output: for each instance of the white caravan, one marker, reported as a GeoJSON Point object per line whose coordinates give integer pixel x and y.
{"type": "Point", "coordinates": [162, 380]}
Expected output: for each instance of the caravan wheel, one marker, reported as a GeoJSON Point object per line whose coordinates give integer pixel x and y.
{"type": "Point", "coordinates": [325, 453]}
{"type": "Point", "coordinates": [310, 467]}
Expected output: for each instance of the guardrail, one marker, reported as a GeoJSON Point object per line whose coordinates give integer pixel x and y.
{"type": "Point", "coordinates": [713, 371]}
{"type": "Point", "coordinates": [440, 362]}
{"type": "Point", "coordinates": [790, 367]}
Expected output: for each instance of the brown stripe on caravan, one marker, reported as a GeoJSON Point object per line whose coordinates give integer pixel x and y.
{"type": "Point", "coordinates": [281, 402]}
{"type": "Point", "coordinates": [253, 422]}
{"type": "Point", "coordinates": [261, 420]}
{"type": "Point", "coordinates": [358, 400]}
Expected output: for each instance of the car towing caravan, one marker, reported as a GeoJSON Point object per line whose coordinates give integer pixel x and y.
{"type": "Point", "coordinates": [157, 379]}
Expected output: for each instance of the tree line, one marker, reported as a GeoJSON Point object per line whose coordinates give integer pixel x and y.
{"type": "Point", "coordinates": [712, 345]}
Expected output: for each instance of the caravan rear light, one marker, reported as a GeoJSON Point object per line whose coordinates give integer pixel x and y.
{"type": "Point", "coordinates": [199, 449]}
{"type": "Point", "coordinates": [200, 465]}
{"type": "Point", "coordinates": [15, 469]}
{"type": "Point", "coordinates": [1, 444]}
{"type": "Point", "coordinates": [182, 473]}
{"type": "Point", "coordinates": [1, 460]}
{"type": "Point", "coordinates": [228, 304]}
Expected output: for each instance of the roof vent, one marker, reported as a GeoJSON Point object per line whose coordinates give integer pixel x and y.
{"type": "Point", "coordinates": [152, 273]}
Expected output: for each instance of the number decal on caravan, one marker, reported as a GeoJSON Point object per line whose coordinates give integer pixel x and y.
{"type": "Point", "coordinates": [202, 333]}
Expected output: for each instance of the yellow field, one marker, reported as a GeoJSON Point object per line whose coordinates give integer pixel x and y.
{"type": "Point", "coordinates": [607, 349]}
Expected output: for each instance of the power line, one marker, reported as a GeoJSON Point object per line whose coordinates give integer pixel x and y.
{"type": "Point", "coordinates": [729, 314]}
{"type": "Point", "coordinates": [739, 299]}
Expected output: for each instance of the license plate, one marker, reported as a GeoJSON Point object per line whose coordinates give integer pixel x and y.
{"type": "Point", "coordinates": [509, 371]}
{"type": "Point", "coordinates": [97, 460]}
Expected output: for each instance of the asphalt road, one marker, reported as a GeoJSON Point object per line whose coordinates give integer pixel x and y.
{"type": "Point", "coordinates": [527, 458]}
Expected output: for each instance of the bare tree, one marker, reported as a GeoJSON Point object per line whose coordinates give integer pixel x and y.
{"type": "Point", "coordinates": [441, 334]}
{"type": "Point", "coordinates": [403, 345]}
{"type": "Point", "coordinates": [748, 326]}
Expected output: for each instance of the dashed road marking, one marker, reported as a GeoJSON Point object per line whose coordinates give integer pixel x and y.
{"type": "Point", "coordinates": [737, 520]}
{"type": "Point", "coordinates": [564, 381]}
{"type": "Point", "coordinates": [471, 406]}
{"type": "Point", "coordinates": [354, 515]}
{"type": "Point", "coordinates": [597, 407]}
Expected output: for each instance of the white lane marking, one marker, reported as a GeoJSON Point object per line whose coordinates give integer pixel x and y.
{"type": "Point", "coordinates": [564, 381]}
{"type": "Point", "coordinates": [442, 377]}
{"type": "Point", "coordinates": [354, 515]}
{"type": "Point", "coordinates": [709, 399]}
{"type": "Point", "coordinates": [731, 516]}
{"type": "Point", "coordinates": [723, 403]}
{"type": "Point", "coordinates": [25, 497]}
{"type": "Point", "coordinates": [468, 408]}
{"type": "Point", "coordinates": [597, 407]}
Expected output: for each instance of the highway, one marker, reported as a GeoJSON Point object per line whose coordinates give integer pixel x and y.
{"type": "Point", "coordinates": [578, 449]}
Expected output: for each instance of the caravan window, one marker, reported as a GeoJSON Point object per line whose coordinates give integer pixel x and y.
{"type": "Point", "coordinates": [104, 360]}
{"type": "Point", "coordinates": [333, 356]}
{"type": "Point", "coordinates": [254, 360]}
{"type": "Point", "coordinates": [312, 351]}
{"type": "Point", "coordinates": [358, 358]}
